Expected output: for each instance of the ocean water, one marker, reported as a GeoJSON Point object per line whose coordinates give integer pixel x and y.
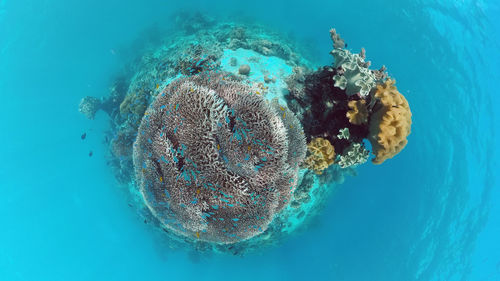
{"type": "Point", "coordinates": [431, 213]}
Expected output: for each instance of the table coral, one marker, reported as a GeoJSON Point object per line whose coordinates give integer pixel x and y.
{"type": "Point", "coordinates": [390, 123]}
{"type": "Point", "coordinates": [322, 155]}
{"type": "Point", "coordinates": [214, 161]}
{"type": "Point", "coordinates": [359, 113]}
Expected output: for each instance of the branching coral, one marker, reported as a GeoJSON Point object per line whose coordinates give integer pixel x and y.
{"type": "Point", "coordinates": [390, 123]}
{"type": "Point", "coordinates": [214, 161]}
{"type": "Point", "coordinates": [359, 113]}
{"type": "Point", "coordinates": [321, 155]}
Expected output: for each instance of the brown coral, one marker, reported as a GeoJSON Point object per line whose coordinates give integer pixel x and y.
{"type": "Point", "coordinates": [322, 155]}
{"type": "Point", "coordinates": [390, 124]}
{"type": "Point", "coordinates": [359, 113]}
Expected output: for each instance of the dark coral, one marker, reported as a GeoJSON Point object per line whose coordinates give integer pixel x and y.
{"type": "Point", "coordinates": [324, 107]}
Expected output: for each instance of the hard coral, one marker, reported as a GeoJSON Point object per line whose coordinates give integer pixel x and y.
{"type": "Point", "coordinates": [134, 104]}
{"type": "Point", "coordinates": [214, 161]}
{"type": "Point", "coordinates": [322, 155]}
{"type": "Point", "coordinates": [390, 123]}
{"type": "Point", "coordinates": [89, 106]}
{"type": "Point", "coordinates": [359, 113]}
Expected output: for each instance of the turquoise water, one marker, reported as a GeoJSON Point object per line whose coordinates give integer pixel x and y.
{"type": "Point", "coordinates": [431, 213]}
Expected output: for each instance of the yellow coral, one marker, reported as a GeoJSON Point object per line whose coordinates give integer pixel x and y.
{"type": "Point", "coordinates": [390, 125]}
{"type": "Point", "coordinates": [359, 113]}
{"type": "Point", "coordinates": [322, 155]}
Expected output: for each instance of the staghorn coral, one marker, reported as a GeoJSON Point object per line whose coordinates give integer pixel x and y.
{"type": "Point", "coordinates": [359, 112]}
{"type": "Point", "coordinates": [322, 155]}
{"type": "Point", "coordinates": [390, 123]}
{"type": "Point", "coordinates": [214, 161]}
{"type": "Point", "coordinates": [354, 155]}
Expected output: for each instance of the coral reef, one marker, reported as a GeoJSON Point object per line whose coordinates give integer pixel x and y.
{"type": "Point", "coordinates": [390, 123]}
{"type": "Point", "coordinates": [348, 103]}
{"type": "Point", "coordinates": [322, 155]}
{"type": "Point", "coordinates": [214, 161]}
{"type": "Point", "coordinates": [209, 165]}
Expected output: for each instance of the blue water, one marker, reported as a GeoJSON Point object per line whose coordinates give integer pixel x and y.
{"type": "Point", "coordinates": [431, 213]}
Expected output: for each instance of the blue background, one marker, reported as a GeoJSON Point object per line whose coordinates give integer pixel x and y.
{"type": "Point", "coordinates": [432, 213]}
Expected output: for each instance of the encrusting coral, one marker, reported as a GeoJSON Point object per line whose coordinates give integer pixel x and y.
{"type": "Point", "coordinates": [214, 160]}
{"type": "Point", "coordinates": [322, 155]}
{"type": "Point", "coordinates": [359, 113]}
{"type": "Point", "coordinates": [390, 123]}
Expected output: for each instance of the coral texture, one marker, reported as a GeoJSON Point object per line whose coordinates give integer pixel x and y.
{"type": "Point", "coordinates": [214, 161]}
{"type": "Point", "coordinates": [134, 104]}
{"type": "Point", "coordinates": [89, 106]}
{"type": "Point", "coordinates": [354, 155]}
{"type": "Point", "coordinates": [353, 74]}
{"type": "Point", "coordinates": [321, 155]}
{"type": "Point", "coordinates": [344, 134]}
{"type": "Point", "coordinates": [390, 124]}
{"type": "Point", "coordinates": [359, 113]}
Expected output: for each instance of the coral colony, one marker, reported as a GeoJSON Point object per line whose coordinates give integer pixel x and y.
{"type": "Point", "coordinates": [227, 140]}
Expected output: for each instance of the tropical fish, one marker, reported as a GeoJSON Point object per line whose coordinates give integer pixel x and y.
{"type": "Point", "coordinates": [84, 135]}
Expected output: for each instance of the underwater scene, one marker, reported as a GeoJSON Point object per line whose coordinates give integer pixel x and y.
{"type": "Point", "coordinates": [262, 140]}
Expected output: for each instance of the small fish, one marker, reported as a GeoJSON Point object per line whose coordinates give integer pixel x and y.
{"type": "Point", "coordinates": [145, 221]}
{"type": "Point", "coordinates": [90, 153]}
{"type": "Point", "coordinates": [198, 235]}
{"type": "Point", "coordinates": [157, 86]}
{"type": "Point", "coordinates": [84, 135]}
